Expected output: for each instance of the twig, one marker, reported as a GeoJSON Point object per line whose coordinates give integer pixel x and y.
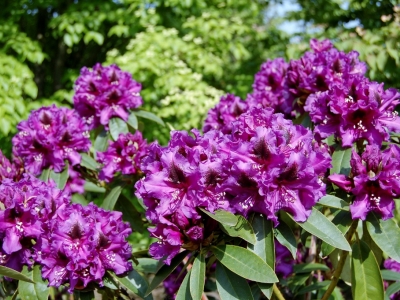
{"type": "Point", "coordinates": [277, 292]}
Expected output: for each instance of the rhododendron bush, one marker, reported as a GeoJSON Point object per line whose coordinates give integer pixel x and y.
{"type": "Point", "coordinates": [288, 194]}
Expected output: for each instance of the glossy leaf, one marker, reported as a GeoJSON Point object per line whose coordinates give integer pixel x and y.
{"type": "Point", "coordinates": [390, 275]}
{"type": "Point", "coordinates": [197, 277]}
{"type": "Point", "coordinates": [309, 267]}
{"type": "Point", "coordinates": [242, 229]}
{"type": "Point", "coordinates": [91, 187]}
{"type": "Point", "coordinates": [45, 175]}
{"type": "Point", "coordinates": [89, 162]}
{"type": "Point", "coordinates": [150, 116]}
{"type": "Point", "coordinates": [60, 178]}
{"type": "Point", "coordinates": [33, 291]}
{"type": "Point", "coordinates": [11, 273]}
{"type": "Point", "coordinates": [385, 234]}
{"type": "Point", "coordinates": [184, 290]}
{"type": "Point", "coordinates": [111, 198]}
{"type": "Point", "coordinates": [147, 265]}
{"type": "Point", "coordinates": [129, 213]}
{"type": "Point", "coordinates": [165, 270]}
{"type": "Point", "coordinates": [319, 225]}
{"type": "Point", "coordinates": [341, 161]}
{"type": "Point", "coordinates": [313, 287]}
{"type": "Point", "coordinates": [264, 247]}
{"type": "Point", "coordinates": [285, 236]}
{"type": "Point", "coordinates": [231, 286]}
{"type": "Point", "coordinates": [222, 216]}
{"type": "Point", "coordinates": [335, 202]}
{"type": "Point", "coordinates": [134, 282]}
{"type": "Point", "coordinates": [133, 121]}
{"type": "Point", "coordinates": [101, 141]}
{"type": "Point", "coordinates": [343, 221]}
{"type": "Point", "coordinates": [117, 126]}
{"type": "Point", "coordinates": [392, 289]}
{"type": "Point", "coordinates": [365, 276]}
{"type": "Point", "coordinates": [245, 263]}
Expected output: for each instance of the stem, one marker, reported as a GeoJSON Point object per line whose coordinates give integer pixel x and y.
{"type": "Point", "coordinates": [340, 265]}
{"type": "Point", "coordinates": [277, 292]}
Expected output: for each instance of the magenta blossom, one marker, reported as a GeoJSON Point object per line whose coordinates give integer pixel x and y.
{"type": "Point", "coordinates": [123, 155]}
{"type": "Point", "coordinates": [81, 243]}
{"type": "Point", "coordinates": [50, 136]}
{"type": "Point", "coordinates": [374, 182]}
{"type": "Point", "coordinates": [27, 205]}
{"type": "Point", "coordinates": [224, 113]}
{"type": "Point", "coordinates": [7, 169]}
{"type": "Point", "coordinates": [269, 87]}
{"type": "Point", "coordinates": [105, 92]}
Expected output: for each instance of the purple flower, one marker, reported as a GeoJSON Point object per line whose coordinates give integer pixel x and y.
{"type": "Point", "coordinates": [50, 136]}
{"type": "Point", "coordinates": [374, 182]}
{"type": "Point", "coordinates": [318, 71]}
{"type": "Point", "coordinates": [75, 182]}
{"type": "Point", "coordinates": [273, 165]}
{"type": "Point", "coordinates": [7, 169]}
{"type": "Point", "coordinates": [354, 110]}
{"type": "Point", "coordinates": [81, 244]}
{"type": "Point", "coordinates": [123, 155]}
{"type": "Point", "coordinates": [392, 265]}
{"type": "Point", "coordinates": [224, 113]}
{"type": "Point", "coordinates": [26, 206]}
{"type": "Point", "coordinates": [173, 282]}
{"type": "Point", "coordinates": [269, 87]}
{"type": "Point", "coordinates": [105, 92]}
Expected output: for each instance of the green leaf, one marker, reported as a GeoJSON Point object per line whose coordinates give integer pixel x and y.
{"type": "Point", "coordinates": [309, 267]}
{"type": "Point", "coordinates": [117, 126]}
{"type": "Point", "coordinates": [130, 214]}
{"type": "Point", "coordinates": [222, 216]}
{"type": "Point", "coordinates": [133, 282]}
{"type": "Point", "coordinates": [101, 141]}
{"type": "Point", "coordinates": [150, 116]}
{"type": "Point", "coordinates": [341, 161]}
{"type": "Point", "coordinates": [60, 178]}
{"type": "Point", "coordinates": [264, 247]}
{"type": "Point", "coordinates": [393, 288]}
{"type": "Point", "coordinates": [231, 286]}
{"type": "Point", "coordinates": [133, 121]}
{"type": "Point", "coordinates": [184, 289]}
{"type": "Point", "coordinates": [33, 291]}
{"type": "Point", "coordinates": [386, 234]}
{"type": "Point", "coordinates": [68, 40]}
{"type": "Point", "coordinates": [165, 270]}
{"type": "Point", "coordinates": [91, 187]}
{"type": "Point", "coordinates": [343, 221]}
{"type": "Point", "coordinates": [147, 265]}
{"type": "Point", "coordinates": [381, 60]}
{"type": "Point", "coordinates": [286, 237]}
{"type": "Point", "coordinates": [111, 198]}
{"type": "Point", "coordinates": [335, 202]}
{"type": "Point", "coordinates": [390, 275]}
{"type": "Point", "coordinates": [313, 287]}
{"type": "Point", "coordinates": [244, 263]}
{"type": "Point", "coordinates": [45, 175]}
{"type": "Point", "coordinates": [319, 225]}
{"type": "Point", "coordinates": [242, 229]}
{"type": "Point", "coordinates": [11, 273]}
{"type": "Point", "coordinates": [365, 275]}
{"type": "Point", "coordinates": [197, 277]}
{"type": "Point", "coordinates": [89, 162]}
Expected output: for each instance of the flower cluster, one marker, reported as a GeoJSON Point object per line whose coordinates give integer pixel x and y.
{"type": "Point", "coordinates": [269, 87]}
{"type": "Point", "coordinates": [50, 136]}
{"type": "Point", "coordinates": [81, 243]}
{"type": "Point", "coordinates": [72, 243]}
{"type": "Point", "coordinates": [123, 155]}
{"type": "Point", "coordinates": [266, 164]}
{"type": "Point", "coordinates": [26, 206]}
{"type": "Point", "coordinates": [105, 92]}
{"type": "Point", "coordinates": [374, 181]}
{"type": "Point", "coordinates": [355, 109]}
{"type": "Point", "coordinates": [224, 113]}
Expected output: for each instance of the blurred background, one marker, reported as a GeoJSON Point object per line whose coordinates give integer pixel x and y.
{"type": "Point", "coordinates": [186, 53]}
